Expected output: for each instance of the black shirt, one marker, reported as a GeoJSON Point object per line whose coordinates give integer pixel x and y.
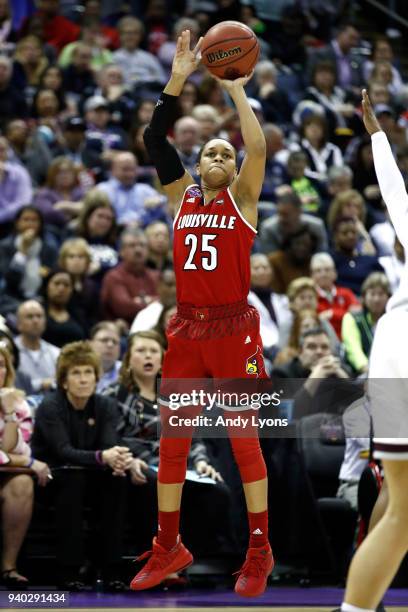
{"type": "Point", "coordinates": [66, 436]}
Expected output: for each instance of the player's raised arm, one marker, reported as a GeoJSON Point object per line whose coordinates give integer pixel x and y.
{"type": "Point", "coordinates": [389, 177]}
{"type": "Point", "coordinates": [164, 156]}
{"type": "Point", "coordinates": [248, 184]}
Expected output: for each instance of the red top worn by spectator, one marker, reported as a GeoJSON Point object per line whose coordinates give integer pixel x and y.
{"type": "Point", "coordinates": [57, 30]}
{"type": "Point", "coordinates": [339, 301]}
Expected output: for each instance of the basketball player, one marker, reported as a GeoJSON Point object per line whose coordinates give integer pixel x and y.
{"type": "Point", "coordinates": [215, 333]}
{"type": "Point", "coordinates": [378, 558]}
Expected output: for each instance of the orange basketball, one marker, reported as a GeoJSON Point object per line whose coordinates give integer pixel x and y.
{"type": "Point", "coordinates": [230, 50]}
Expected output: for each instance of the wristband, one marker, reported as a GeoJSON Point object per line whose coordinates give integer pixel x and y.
{"type": "Point", "coordinates": [98, 457]}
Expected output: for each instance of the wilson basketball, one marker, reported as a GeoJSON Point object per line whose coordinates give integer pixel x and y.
{"type": "Point", "coordinates": [230, 50]}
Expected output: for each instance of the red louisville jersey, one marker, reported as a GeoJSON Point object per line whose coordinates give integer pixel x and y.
{"type": "Point", "coordinates": [212, 245]}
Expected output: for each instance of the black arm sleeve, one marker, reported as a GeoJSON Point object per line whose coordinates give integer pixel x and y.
{"type": "Point", "coordinates": [162, 153]}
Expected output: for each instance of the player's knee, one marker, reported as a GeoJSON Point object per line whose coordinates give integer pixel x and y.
{"type": "Point", "coordinates": [248, 455]}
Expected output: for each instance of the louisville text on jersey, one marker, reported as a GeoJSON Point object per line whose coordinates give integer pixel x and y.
{"type": "Point", "coordinates": [203, 220]}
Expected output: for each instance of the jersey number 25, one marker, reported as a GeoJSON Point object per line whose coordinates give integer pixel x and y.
{"type": "Point", "coordinates": [208, 262]}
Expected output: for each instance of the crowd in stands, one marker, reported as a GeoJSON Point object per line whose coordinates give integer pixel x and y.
{"type": "Point", "coordinates": [86, 279]}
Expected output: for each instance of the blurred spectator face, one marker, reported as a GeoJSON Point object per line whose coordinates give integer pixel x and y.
{"type": "Point", "coordinates": [387, 122]}
{"type": "Point", "coordinates": [65, 178]}
{"type": "Point", "coordinates": [346, 236]}
{"type": "Point", "coordinates": [313, 349]}
{"type": "Point", "coordinates": [112, 75]}
{"type": "Point", "coordinates": [158, 238]}
{"type": "Point", "coordinates": [188, 98]}
{"type": "Point", "coordinates": [261, 271]}
{"type": "Point", "coordinates": [31, 319]}
{"type": "Point", "coordinates": [301, 247]}
{"type": "Point", "coordinates": [289, 216]}
{"type": "Point", "coordinates": [59, 289]}
{"type": "Point", "coordinates": [309, 321]}
{"type": "Point", "coordinates": [305, 299]}
{"type": "Point", "coordinates": [145, 358]}
{"type": "Point", "coordinates": [100, 222]}
{"type": "Point", "coordinates": [274, 139]}
{"type": "Point", "coordinates": [382, 72]}
{"type": "Point", "coordinates": [296, 166]}
{"type": "Point", "coordinates": [5, 71]}
{"type": "Point", "coordinates": [28, 220]}
{"type": "Point", "coordinates": [352, 208]}
{"type": "Point", "coordinates": [366, 154]}
{"type": "Point", "coordinates": [134, 249]}
{"type": "Point", "coordinates": [80, 382]}
{"type": "Point", "coordinates": [167, 288]}
{"type": "Point", "coordinates": [81, 57]}
{"type": "Point", "coordinates": [4, 148]}
{"type": "Point", "coordinates": [379, 94]}
{"type": "Point", "coordinates": [4, 9]}
{"type": "Point", "coordinates": [106, 343]}
{"type": "Point", "coordinates": [52, 78]}
{"type": "Point", "coordinates": [124, 169]}
{"type": "Point", "coordinates": [92, 8]}
{"type": "Point", "coordinates": [383, 51]}
{"type": "Point", "coordinates": [314, 132]}
{"type": "Point", "coordinates": [30, 50]}
{"type": "Point", "coordinates": [76, 262]}
{"type": "Point", "coordinates": [47, 103]}
{"type": "Point", "coordinates": [17, 133]}
{"type": "Point", "coordinates": [48, 7]}
{"type": "Point", "coordinates": [339, 184]}
{"type": "Point", "coordinates": [324, 79]}
{"type": "Point", "coordinates": [98, 117]}
{"type": "Point", "coordinates": [145, 111]}
{"type": "Point", "coordinates": [186, 134]}
{"type": "Point", "coordinates": [131, 35]}
{"type": "Point", "coordinates": [348, 39]}
{"type": "Point", "coordinates": [375, 300]}
{"type": "Point", "coordinates": [324, 275]}
{"type": "Point", "coordinates": [74, 138]}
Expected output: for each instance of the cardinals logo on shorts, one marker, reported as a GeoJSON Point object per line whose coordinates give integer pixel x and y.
{"type": "Point", "coordinates": [255, 364]}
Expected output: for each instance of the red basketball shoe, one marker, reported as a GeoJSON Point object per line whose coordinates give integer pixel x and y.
{"type": "Point", "coordinates": [254, 573]}
{"type": "Point", "coordinates": [162, 562]}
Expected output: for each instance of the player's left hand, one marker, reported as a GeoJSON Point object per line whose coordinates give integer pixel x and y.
{"type": "Point", "coordinates": [205, 469]}
{"type": "Point", "coordinates": [370, 120]}
{"type": "Point", "coordinates": [231, 86]}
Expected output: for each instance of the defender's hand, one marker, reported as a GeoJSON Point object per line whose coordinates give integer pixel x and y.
{"type": "Point", "coordinates": [186, 61]}
{"type": "Point", "coordinates": [370, 120]}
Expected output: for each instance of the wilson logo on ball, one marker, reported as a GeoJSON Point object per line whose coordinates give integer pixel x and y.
{"type": "Point", "coordinates": [220, 54]}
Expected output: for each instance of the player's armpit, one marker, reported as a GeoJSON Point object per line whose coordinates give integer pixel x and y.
{"type": "Point", "coordinates": [175, 191]}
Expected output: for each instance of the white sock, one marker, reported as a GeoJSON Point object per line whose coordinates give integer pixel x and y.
{"type": "Point", "coordinates": [345, 607]}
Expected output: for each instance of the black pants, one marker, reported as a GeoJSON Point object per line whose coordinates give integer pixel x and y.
{"type": "Point", "coordinates": [205, 519]}
{"type": "Point", "coordinates": [71, 492]}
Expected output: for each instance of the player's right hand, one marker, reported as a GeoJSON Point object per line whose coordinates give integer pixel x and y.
{"type": "Point", "coordinates": [370, 120]}
{"type": "Point", "coordinates": [186, 60]}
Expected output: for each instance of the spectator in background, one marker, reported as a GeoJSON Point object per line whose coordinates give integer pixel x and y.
{"type": "Point", "coordinates": [30, 152]}
{"type": "Point", "coordinates": [105, 341]}
{"type": "Point", "coordinates": [339, 179]}
{"type": "Point", "coordinates": [307, 188]}
{"type": "Point", "coordinates": [38, 358]}
{"type": "Point", "coordinates": [357, 330]}
{"type": "Point", "coordinates": [60, 199]}
{"type": "Point", "coordinates": [275, 103]}
{"type": "Point", "coordinates": [275, 171]}
{"type": "Point", "coordinates": [16, 490]}
{"type": "Point", "coordinates": [188, 99]}
{"type": "Point", "coordinates": [321, 154]}
{"type": "Point", "coordinates": [364, 177]}
{"type": "Point", "coordinates": [62, 327]}
{"type": "Point", "coordinates": [272, 307]}
{"type": "Point", "coordinates": [149, 317]}
{"type": "Point", "coordinates": [5, 27]}
{"type": "Point", "coordinates": [209, 120]}
{"type": "Point", "coordinates": [78, 77]}
{"type": "Point", "coordinates": [111, 85]}
{"type": "Point", "coordinates": [167, 50]}
{"type": "Point", "coordinates": [131, 285]}
{"type": "Point", "coordinates": [12, 101]}
{"type": "Point", "coordinates": [25, 255]}
{"type": "Point", "coordinates": [138, 66]}
{"type": "Point", "coordinates": [382, 51]}
{"type": "Point", "coordinates": [92, 37]}
{"type": "Point", "coordinates": [77, 427]}
{"type": "Point", "coordinates": [333, 301]}
{"type": "Point", "coordinates": [186, 141]}
{"type": "Point", "coordinates": [52, 78]}
{"type": "Point", "coordinates": [75, 258]}
{"type": "Point", "coordinates": [97, 225]}
{"type": "Point", "coordinates": [288, 220]}
{"type": "Point", "coordinates": [132, 201]}
{"type": "Point", "coordinates": [383, 72]}
{"type": "Point", "coordinates": [56, 30]}
{"type": "Point", "coordinates": [349, 74]}
{"type": "Point", "coordinates": [161, 328]}
{"type": "Point", "coordinates": [159, 245]}
{"type": "Point", "coordinates": [352, 268]}
{"type": "Point", "coordinates": [72, 146]}
{"type": "Point", "coordinates": [293, 260]}
{"type": "Point", "coordinates": [29, 63]}
{"type": "Point", "coordinates": [15, 184]}
{"type": "Point", "coordinates": [22, 381]}
{"type": "Point", "coordinates": [349, 203]}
